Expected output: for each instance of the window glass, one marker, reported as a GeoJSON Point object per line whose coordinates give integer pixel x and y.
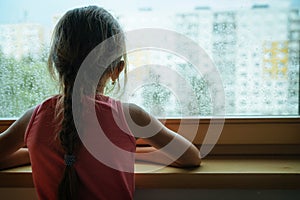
{"type": "Point", "coordinates": [253, 44]}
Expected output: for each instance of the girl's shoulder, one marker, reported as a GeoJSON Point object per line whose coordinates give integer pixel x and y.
{"type": "Point", "coordinates": [51, 100]}
{"type": "Point", "coordinates": [136, 113]}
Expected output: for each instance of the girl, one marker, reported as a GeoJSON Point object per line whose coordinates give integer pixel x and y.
{"type": "Point", "coordinates": [62, 167]}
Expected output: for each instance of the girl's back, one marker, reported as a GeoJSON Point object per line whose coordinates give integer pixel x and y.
{"type": "Point", "coordinates": [96, 180]}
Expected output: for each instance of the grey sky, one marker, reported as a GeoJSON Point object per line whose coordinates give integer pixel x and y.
{"type": "Point", "coordinates": [41, 11]}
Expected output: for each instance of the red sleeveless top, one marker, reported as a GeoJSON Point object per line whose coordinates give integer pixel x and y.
{"type": "Point", "coordinates": [97, 179]}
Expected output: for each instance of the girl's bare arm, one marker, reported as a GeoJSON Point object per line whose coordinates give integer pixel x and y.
{"type": "Point", "coordinates": [189, 158]}
{"type": "Point", "coordinates": [12, 152]}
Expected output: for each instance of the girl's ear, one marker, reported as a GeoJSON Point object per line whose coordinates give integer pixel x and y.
{"type": "Point", "coordinates": [121, 66]}
{"type": "Point", "coordinates": [118, 69]}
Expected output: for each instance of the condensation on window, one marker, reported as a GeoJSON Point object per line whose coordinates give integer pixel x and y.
{"type": "Point", "coordinates": [24, 83]}
{"type": "Point", "coordinates": [255, 49]}
{"type": "Point", "coordinates": [166, 85]}
{"type": "Point", "coordinates": [257, 53]}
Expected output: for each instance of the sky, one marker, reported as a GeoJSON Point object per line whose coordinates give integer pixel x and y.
{"type": "Point", "coordinates": [39, 11]}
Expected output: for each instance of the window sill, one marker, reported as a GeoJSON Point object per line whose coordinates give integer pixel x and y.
{"type": "Point", "coordinates": [216, 172]}
{"type": "Point", "coordinates": [240, 136]}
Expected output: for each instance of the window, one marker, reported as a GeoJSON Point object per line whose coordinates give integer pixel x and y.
{"type": "Point", "coordinates": [254, 45]}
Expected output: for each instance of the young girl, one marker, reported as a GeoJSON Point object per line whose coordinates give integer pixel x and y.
{"type": "Point", "coordinates": [62, 167]}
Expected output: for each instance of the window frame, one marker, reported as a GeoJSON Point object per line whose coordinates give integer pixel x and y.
{"type": "Point", "coordinates": [249, 135]}
{"type": "Point", "coordinates": [240, 135]}
{"type": "Point", "coordinates": [262, 135]}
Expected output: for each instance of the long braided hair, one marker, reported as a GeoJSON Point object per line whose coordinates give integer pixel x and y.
{"type": "Point", "coordinates": [77, 33]}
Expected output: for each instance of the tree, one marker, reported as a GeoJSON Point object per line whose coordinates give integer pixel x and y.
{"type": "Point", "coordinates": [155, 96]}
{"type": "Point", "coordinates": [24, 83]}
{"type": "Point", "coordinates": [198, 100]}
{"type": "Point", "coordinates": [203, 105]}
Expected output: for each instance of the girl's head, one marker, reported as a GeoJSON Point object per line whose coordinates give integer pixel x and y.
{"type": "Point", "coordinates": [77, 33]}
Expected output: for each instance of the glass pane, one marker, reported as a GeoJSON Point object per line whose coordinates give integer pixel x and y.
{"type": "Point", "coordinates": [253, 44]}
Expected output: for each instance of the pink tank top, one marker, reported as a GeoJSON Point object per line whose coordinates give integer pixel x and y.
{"type": "Point", "coordinates": [96, 179]}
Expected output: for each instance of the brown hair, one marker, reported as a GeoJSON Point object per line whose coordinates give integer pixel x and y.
{"type": "Point", "coordinates": [77, 33]}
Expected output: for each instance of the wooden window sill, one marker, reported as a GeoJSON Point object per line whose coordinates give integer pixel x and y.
{"type": "Point", "coordinates": [216, 172]}
{"type": "Point", "coordinates": [240, 136]}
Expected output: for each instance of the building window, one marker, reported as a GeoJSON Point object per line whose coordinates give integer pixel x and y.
{"type": "Point", "coordinates": [255, 48]}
